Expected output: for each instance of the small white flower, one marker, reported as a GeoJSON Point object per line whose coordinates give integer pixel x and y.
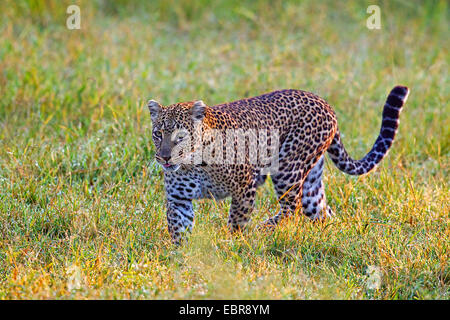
{"type": "Point", "coordinates": [373, 281]}
{"type": "Point", "coordinates": [73, 277]}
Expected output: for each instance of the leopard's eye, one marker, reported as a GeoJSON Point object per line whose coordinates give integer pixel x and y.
{"type": "Point", "coordinates": [157, 134]}
{"type": "Point", "coordinates": [180, 136]}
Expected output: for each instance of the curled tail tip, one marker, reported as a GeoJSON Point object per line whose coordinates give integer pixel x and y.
{"type": "Point", "coordinates": [401, 87]}
{"type": "Point", "coordinates": [398, 96]}
{"type": "Point", "coordinates": [390, 121]}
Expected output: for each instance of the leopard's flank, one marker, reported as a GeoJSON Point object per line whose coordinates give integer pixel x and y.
{"type": "Point", "coordinates": [307, 128]}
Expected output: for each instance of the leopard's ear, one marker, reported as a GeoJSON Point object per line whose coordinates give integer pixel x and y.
{"type": "Point", "coordinates": [198, 110]}
{"type": "Point", "coordinates": [155, 108]}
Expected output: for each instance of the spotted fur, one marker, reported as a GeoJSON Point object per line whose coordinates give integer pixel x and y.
{"type": "Point", "coordinates": [307, 128]}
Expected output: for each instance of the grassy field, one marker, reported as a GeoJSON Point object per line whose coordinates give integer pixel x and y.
{"type": "Point", "coordinates": [81, 199]}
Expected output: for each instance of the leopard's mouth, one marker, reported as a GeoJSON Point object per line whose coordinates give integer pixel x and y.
{"type": "Point", "coordinates": [170, 166]}
{"type": "Point", "coordinates": [167, 165]}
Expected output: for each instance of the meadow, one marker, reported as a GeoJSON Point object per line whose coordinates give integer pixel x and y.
{"type": "Point", "coordinates": [82, 200]}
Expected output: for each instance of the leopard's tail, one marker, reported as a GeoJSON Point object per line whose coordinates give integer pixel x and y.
{"type": "Point", "coordinates": [391, 112]}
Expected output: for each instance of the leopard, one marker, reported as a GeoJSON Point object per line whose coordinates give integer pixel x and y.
{"type": "Point", "coordinates": [307, 129]}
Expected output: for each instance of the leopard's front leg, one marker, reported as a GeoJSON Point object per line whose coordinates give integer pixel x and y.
{"type": "Point", "coordinates": [181, 188]}
{"type": "Point", "coordinates": [180, 217]}
{"type": "Point", "coordinates": [241, 207]}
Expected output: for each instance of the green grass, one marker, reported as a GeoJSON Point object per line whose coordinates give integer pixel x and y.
{"type": "Point", "coordinates": [81, 199]}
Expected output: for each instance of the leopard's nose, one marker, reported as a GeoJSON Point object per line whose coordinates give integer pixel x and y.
{"type": "Point", "coordinates": [162, 158]}
{"type": "Point", "coordinates": [165, 158]}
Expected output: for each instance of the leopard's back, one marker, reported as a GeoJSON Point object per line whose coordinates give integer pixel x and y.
{"type": "Point", "coordinates": [274, 110]}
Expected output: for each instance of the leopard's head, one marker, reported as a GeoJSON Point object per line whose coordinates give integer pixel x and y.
{"type": "Point", "coordinates": [173, 130]}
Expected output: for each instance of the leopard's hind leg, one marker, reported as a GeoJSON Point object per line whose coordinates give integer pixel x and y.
{"type": "Point", "coordinates": [288, 187]}
{"type": "Point", "coordinates": [288, 184]}
{"type": "Point", "coordinates": [314, 202]}
{"type": "Point", "coordinates": [296, 191]}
